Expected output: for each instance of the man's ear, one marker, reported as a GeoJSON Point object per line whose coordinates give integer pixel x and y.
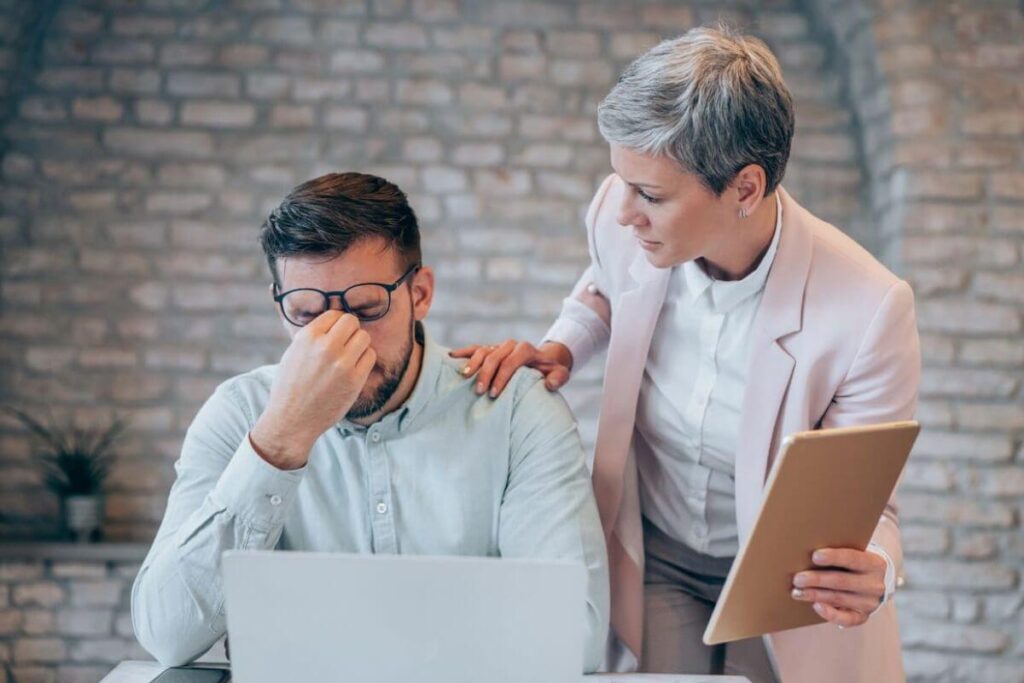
{"type": "Point", "coordinates": [422, 289]}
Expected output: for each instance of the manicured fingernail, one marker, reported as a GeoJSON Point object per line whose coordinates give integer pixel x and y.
{"type": "Point", "coordinates": [800, 580]}
{"type": "Point", "coordinates": [480, 387]}
{"type": "Point", "coordinates": [797, 593]}
{"type": "Point", "coordinates": [818, 557]}
{"type": "Point", "coordinates": [819, 608]}
{"type": "Point", "coordinates": [465, 370]}
{"type": "Point", "coordinates": [494, 393]}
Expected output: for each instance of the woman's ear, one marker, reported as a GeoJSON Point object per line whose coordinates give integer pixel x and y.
{"type": "Point", "coordinates": [749, 185]}
{"type": "Point", "coordinates": [422, 290]}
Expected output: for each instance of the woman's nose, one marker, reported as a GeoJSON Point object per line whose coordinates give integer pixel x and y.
{"type": "Point", "coordinates": [628, 215]}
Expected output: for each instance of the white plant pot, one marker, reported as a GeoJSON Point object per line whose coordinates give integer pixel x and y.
{"type": "Point", "coordinates": [84, 517]}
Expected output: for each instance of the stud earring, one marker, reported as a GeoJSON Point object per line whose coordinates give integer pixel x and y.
{"type": "Point", "coordinates": [743, 212]}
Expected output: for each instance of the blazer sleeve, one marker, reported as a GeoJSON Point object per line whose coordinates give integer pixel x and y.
{"type": "Point", "coordinates": [584, 324]}
{"type": "Point", "coordinates": [882, 386]}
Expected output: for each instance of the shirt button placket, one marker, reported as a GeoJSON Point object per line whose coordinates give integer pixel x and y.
{"type": "Point", "coordinates": [382, 522]}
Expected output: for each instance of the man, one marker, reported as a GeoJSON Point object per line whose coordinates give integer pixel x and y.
{"type": "Point", "coordinates": [366, 437]}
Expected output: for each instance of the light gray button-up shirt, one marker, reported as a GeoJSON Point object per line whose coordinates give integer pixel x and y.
{"type": "Point", "coordinates": [448, 473]}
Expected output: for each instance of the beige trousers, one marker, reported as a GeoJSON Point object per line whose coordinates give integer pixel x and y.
{"type": "Point", "coordinates": [680, 590]}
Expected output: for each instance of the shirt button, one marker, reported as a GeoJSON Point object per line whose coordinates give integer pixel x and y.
{"type": "Point", "coordinates": [375, 437]}
{"type": "Point", "coordinates": [382, 507]}
{"type": "Point", "coordinates": [275, 500]}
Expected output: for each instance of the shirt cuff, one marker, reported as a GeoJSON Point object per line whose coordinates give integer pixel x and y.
{"type": "Point", "coordinates": [254, 490]}
{"type": "Point", "coordinates": [580, 329]}
{"type": "Point", "coordinates": [890, 573]}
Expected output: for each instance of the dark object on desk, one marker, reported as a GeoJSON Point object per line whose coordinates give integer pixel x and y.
{"type": "Point", "coordinates": [185, 674]}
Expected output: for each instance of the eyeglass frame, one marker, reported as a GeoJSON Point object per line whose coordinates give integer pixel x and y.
{"type": "Point", "coordinates": [390, 288]}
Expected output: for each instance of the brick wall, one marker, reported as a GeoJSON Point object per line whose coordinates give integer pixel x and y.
{"type": "Point", "coordinates": [143, 142]}
{"type": "Point", "coordinates": [147, 143]}
{"type": "Point", "coordinates": [938, 93]}
{"type": "Point", "coordinates": [65, 621]}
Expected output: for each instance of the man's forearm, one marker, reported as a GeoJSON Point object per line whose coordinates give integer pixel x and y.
{"type": "Point", "coordinates": [178, 598]}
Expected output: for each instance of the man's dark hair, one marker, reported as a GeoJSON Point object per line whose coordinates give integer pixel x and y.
{"type": "Point", "coordinates": [327, 215]}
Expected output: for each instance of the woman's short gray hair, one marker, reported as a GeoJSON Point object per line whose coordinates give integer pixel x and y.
{"type": "Point", "coordinates": [711, 100]}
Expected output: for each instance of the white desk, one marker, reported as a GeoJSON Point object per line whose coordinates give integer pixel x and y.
{"type": "Point", "coordinates": [144, 672]}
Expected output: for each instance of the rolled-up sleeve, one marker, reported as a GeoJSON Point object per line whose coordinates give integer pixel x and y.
{"type": "Point", "coordinates": [548, 510]}
{"type": "Point", "coordinates": [225, 497]}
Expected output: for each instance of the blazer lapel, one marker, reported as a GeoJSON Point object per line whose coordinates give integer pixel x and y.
{"type": "Point", "coordinates": [635, 316]}
{"type": "Point", "coordinates": [771, 367]}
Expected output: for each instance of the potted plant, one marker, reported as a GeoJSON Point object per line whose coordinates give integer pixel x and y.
{"type": "Point", "coordinates": [75, 464]}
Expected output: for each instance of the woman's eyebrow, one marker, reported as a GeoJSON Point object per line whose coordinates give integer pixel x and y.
{"type": "Point", "coordinates": [646, 185]}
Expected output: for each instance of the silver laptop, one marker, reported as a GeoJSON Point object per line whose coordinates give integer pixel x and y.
{"type": "Point", "coordinates": [312, 617]}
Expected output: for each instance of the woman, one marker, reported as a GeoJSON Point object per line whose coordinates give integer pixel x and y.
{"type": "Point", "coordinates": [733, 317]}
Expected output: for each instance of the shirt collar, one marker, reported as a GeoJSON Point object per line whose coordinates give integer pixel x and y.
{"type": "Point", "coordinates": [423, 390]}
{"type": "Point", "coordinates": [727, 294]}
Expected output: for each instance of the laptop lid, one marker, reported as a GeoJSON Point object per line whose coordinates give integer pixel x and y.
{"type": "Point", "coordinates": [298, 616]}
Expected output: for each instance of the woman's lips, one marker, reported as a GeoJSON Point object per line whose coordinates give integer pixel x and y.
{"type": "Point", "coordinates": [646, 244]}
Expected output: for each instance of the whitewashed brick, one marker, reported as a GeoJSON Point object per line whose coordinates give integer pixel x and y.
{"type": "Point", "coordinates": [938, 382]}
{"type": "Point", "coordinates": [39, 650]}
{"type": "Point", "coordinates": [17, 570]}
{"type": "Point", "coordinates": [917, 507]}
{"type": "Point", "coordinates": [38, 593]}
{"type": "Point", "coordinates": [143, 25]}
{"type": "Point", "coordinates": [10, 622]}
{"type": "Point", "coordinates": [443, 179]}
{"type": "Point", "coordinates": [396, 36]}
{"type": "Point", "coordinates": [102, 108]}
{"type": "Point", "coordinates": [992, 352]}
{"type": "Point", "coordinates": [576, 73]}
{"type": "Point", "coordinates": [356, 61]}
{"type": "Point", "coordinates": [286, 30]}
{"type": "Point", "coordinates": [84, 622]}
{"type": "Point", "coordinates": [351, 119]}
{"type": "Point", "coordinates": [203, 84]}
{"type": "Point", "coordinates": [135, 81]}
{"type": "Point", "coordinates": [105, 593]}
{"type": "Point", "coordinates": [186, 54]}
{"type": "Point", "coordinates": [937, 635]}
{"type": "Point", "coordinates": [158, 143]}
{"type": "Point", "coordinates": [478, 154]}
{"type": "Point", "coordinates": [123, 52]}
{"type": "Point", "coordinates": [957, 446]}
{"type": "Point", "coordinates": [218, 114]}
{"type": "Point", "coordinates": [545, 155]}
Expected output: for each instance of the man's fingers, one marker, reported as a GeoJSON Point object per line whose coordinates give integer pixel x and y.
{"type": "Point", "coordinates": [342, 329]}
{"type": "Point", "coordinates": [323, 322]}
{"type": "Point", "coordinates": [490, 366]}
{"type": "Point", "coordinates": [364, 366]}
{"type": "Point", "coordinates": [357, 345]}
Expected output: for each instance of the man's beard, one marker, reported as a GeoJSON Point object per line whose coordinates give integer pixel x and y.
{"type": "Point", "coordinates": [393, 374]}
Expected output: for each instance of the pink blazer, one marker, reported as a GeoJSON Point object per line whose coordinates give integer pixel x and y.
{"type": "Point", "coordinates": [834, 344]}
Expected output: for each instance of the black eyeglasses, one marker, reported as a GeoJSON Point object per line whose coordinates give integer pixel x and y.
{"type": "Point", "coordinates": [367, 301]}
